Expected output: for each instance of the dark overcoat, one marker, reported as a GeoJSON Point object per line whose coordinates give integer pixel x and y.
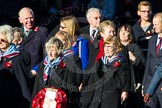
{"type": "Point", "coordinates": [14, 88]}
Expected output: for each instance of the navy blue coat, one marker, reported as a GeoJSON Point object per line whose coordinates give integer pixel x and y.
{"type": "Point", "coordinates": [154, 82]}
{"type": "Point", "coordinates": [152, 63]}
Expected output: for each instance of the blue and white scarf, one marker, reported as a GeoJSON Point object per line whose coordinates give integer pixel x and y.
{"type": "Point", "coordinates": [48, 65]}
{"type": "Point", "coordinates": [112, 59]}
{"type": "Point", "coordinates": [117, 57]}
{"type": "Point", "coordinates": [10, 52]}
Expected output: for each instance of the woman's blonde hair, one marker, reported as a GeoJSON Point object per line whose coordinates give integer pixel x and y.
{"type": "Point", "coordinates": [17, 33]}
{"type": "Point", "coordinates": [105, 24]}
{"type": "Point", "coordinates": [65, 37]}
{"type": "Point", "coordinates": [113, 40]}
{"type": "Point", "coordinates": [56, 44]}
{"type": "Point", "coordinates": [72, 26]}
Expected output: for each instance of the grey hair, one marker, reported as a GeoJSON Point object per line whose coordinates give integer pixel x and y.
{"type": "Point", "coordinates": [159, 14]}
{"type": "Point", "coordinates": [54, 42]}
{"type": "Point", "coordinates": [7, 31]}
{"type": "Point", "coordinates": [90, 10]}
{"type": "Point", "coordinates": [26, 8]}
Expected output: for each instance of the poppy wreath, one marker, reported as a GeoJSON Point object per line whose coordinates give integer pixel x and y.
{"type": "Point", "coordinates": [60, 98]}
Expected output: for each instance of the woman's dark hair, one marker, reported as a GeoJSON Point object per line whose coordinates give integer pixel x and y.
{"type": "Point", "coordinates": [128, 28]}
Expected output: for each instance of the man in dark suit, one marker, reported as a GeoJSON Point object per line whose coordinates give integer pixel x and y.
{"type": "Point", "coordinates": [154, 82]}
{"type": "Point", "coordinates": [34, 36]}
{"type": "Point", "coordinates": [34, 39]}
{"type": "Point", "coordinates": [154, 59]}
{"type": "Point", "coordinates": [93, 16]}
{"type": "Point", "coordinates": [91, 32]}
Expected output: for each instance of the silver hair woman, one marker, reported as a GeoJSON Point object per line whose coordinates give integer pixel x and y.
{"type": "Point", "coordinates": [54, 44]}
{"type": "Point", "coordinates": [57, 70]}
{"type": "Point", "coordinates": [14, 72]}
{"type": "Point", "coordinates": [7, 31]}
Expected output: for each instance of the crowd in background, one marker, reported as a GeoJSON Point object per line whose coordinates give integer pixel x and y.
{"type": "Point", "coordinates": [124, 11]}
{"type": "Point", "coordinates": [93, 53]}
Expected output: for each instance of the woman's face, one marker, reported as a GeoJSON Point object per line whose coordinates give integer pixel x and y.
{"type": "Point", "coordinates": [63, 27]}
{"type": "Point", "coordinates": [52, 53]}
{"type": "Point", "coordinates": [109, 49]}
{"type": "Point", "coordinates": [108, 31]}
{"type": "Point", "coordinates": [4, 44]}
{"type": "Point", "coordinates": [124, 35]}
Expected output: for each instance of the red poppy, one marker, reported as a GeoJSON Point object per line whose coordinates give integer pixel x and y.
{"type": "Point", "coordinates": [117, 64]}
{"type": "Point", "coordinates": [45, 76]}
{"type": "Point", "coordinates": [62, 64]}
{"type": "Point", "coordinates": [148, 33]}
{"type": "Point", "coordinates": [36, 29]}
{"type": "Point", "coordinates": [8, 64]}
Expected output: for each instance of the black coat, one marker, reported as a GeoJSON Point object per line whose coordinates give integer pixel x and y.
{"type": "Point", "coordinates": [140, 36]}
{"type": "Point", "coordinates": [104, 86]}
{"type": "Point", "coordinates": [68, 79]}
{"type": "Point", "coordinates": [15, 92]}
{"type": "Point", "coordinates": [34, 44]}
{"type": "Point", "coordinates": [139, 64]}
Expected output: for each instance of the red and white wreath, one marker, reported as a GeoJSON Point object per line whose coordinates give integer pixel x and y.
{"type": "Point", "coordinates": [50, 98]}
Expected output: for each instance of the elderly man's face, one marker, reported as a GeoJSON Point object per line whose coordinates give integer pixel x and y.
{"type": "Point", "coordinates": [94, 19]}
{"type": "Point", "coordinates": [26, 18]}
{"type": "Point", "coordinates": [157, 24]}
{"type": "Point", "coordinates": [4, 44]}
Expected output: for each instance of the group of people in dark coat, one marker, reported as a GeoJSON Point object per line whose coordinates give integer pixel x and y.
{"type": "Point", "coordinates": [89, 67]}
{"type": "Point", "coordinates": [16, 60]}
{"type": "Point", "coordinates": [14, 72]}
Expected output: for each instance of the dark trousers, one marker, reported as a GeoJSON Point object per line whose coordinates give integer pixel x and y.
{"type": "Point", "coordinates": [135, 100]}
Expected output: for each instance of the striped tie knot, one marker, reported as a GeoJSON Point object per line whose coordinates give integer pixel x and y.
{"type": "Point", "coordinates": [158, 46]}
{"type": "Point", "coordinates": [93, 34]}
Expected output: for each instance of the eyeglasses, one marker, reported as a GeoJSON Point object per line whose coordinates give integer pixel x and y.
{"type": "Point", "coordinates": [62, 27]}
{"type": "Point", "coordinates": [96, 18]}
{"type": "Point", "coordinates": [111, 47]}
{"type": "Point", "coordinates": [3, 40]}
{"type": "Point", "coordinates": [143, 11]}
